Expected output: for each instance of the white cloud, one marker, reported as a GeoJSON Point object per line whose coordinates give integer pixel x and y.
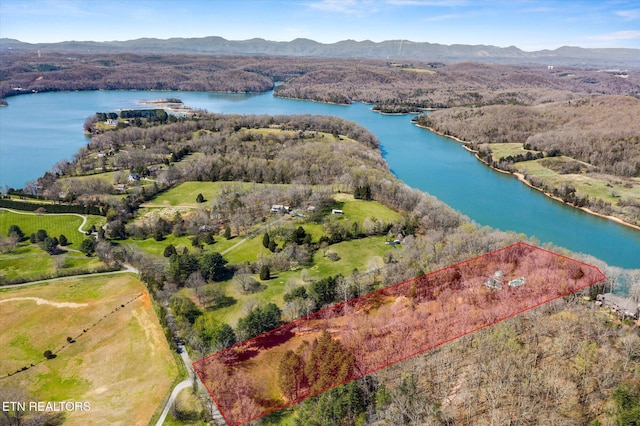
{"type": "Point", "coordinates": [443, 17]}
{"type": "Point", "coordinates": [438, 3]}
{"type": "Point", "coordinates": [340, 6]}
{"type": "Point", "coordinates": [617, 35]}
{"type": "Point", "coordinates": [629, 15]}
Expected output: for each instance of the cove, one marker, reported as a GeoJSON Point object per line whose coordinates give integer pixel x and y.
{"type": "Point", "coordinates": [38, 130]}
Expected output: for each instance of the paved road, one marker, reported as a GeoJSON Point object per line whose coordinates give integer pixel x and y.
{"type": "Point", "coordinates": [187, 383]}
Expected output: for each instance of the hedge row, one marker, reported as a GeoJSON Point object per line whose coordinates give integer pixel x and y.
{"type": "Point", "coordinates": [51, 208]}
{"type": "Point", "coordinates": [59, 274]}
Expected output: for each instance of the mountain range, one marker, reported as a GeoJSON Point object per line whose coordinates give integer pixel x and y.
{"type": "Point", "coordinates": [391, 50]}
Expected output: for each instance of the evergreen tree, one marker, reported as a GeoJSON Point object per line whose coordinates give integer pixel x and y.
{"type": "Point", "coordinates": [266, 240]}
{"type": "Point", "coordinates": [41, 234]}
{"type": "Point", "coordinates": [213, 267]}
{"type": "Point", "coordinates": [291, 376]}
{"type": "Point", "coordinates": [259, 320]}
{"type": "Point", "coordinates": [169, 250]}
{"type": "Point", "coordinates": [50, 245]}
{"type": "Point", "coordinates": [15, 231]}
{"type": "Point", "coordinates": [88, 246]}
{"type": "Point", "coordinates": [329, 363]}
{"type": "Point", "coordinates": [265, 273]}
{"type": "Point", "coordinates": [63, 240]}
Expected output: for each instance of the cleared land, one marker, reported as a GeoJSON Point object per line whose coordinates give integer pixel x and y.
{"type": "Point", "coordinates": [122, 365]}
{"type": "Point", "coordinates": [54, 224]}
{"type": "Point", "coordinates": [392, 324]}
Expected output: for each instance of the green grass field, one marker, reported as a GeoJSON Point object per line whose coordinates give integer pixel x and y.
{"type": "Point", "coordinates": [605, 187]}
{"type": "Point", "coordinates": [354, 254]}
{"type": "Point", "coordinates": [122, 366]}
{"type": "Point", "coordinates": [359, 210]}
{"type": "Point", "coordinates": [186, 193]}
{"type": "Point", "coordinates": [502, 150]}
{"type": "Point", "coordinates": [54, 224]}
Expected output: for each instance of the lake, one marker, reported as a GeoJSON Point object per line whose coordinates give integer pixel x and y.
{"type": "Point", "coordinates": [38, 130]}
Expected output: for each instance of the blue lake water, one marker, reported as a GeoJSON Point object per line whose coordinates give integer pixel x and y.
{"type": "Point", "coordinates": [38, 130]}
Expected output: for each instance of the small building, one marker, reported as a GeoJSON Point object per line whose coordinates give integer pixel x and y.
{"type": "Point", "coordinates": [134, 177]}
{"type": "Point", "coordinates": [120, 187]}
{"type": "Point", "coordinates": [495, 281]}
{"type": "Point", "coordinates": [336, 211]}
{"type": "Point", "coordinates": [517, 282]}
{"type": "Point", "coordinates": [624, 307]}
{"type": "Point", "coordinates": [279, 208]}
{"type": "Point", "coordinates": [112, 122]}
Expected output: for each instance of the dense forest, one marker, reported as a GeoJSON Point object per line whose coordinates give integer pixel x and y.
{"type": "Point", "coordinates": [391, 86]}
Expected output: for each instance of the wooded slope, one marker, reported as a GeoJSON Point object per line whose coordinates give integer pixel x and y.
{"type": "Point", "coordinates": [392, 86]}
{"type": "Point", "coordinates": [603, 131]}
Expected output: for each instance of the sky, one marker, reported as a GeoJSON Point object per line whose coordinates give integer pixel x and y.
{"type": "Point", "coordinates": [527, 24]}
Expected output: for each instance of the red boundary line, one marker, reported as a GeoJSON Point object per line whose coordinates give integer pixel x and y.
{"type": "Point", "coordinates": [335, 306]}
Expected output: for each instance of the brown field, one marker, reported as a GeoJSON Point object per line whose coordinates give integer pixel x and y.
{"type": "Point", "coordinates": [121, 366]}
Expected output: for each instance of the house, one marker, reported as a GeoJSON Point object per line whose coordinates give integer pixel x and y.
{"type": "Point", "coordinates": [134, 177]}
{"type": "Point", "coordinates": [279, 208]}
{"type": "Point", "coordinates": [626, 308]}
{"type": "Point", "coordinates": [336, 211]}
{"type": "Point", "coordinates": [121, 187]}
{"type": "Point", "coordinates": [112, 122]}
{"type": "Point", "coordinates": [495, 281]}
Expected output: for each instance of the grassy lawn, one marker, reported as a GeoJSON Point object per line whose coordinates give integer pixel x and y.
{"type": "Point", "coordinates": [250, 250]}
{"type": "Point", "coordinates": [605, 187]}
{"type": "Point", "coordinates": [185, 194]}
{"type": "Point", "coordinates": [502, 150]}
{"type": "Point", "coordinates": [122, 366]}
{"type": "Point", "coordinates": [353, 254]}
{"type": "Point", "coordinates": [27, 267]}
{"type": "Point", "coordinates": [54, 224]}
{"type": "Point", "coordinates": [156, 248]}
{"type": "Point", "coordinates": [359, 210]}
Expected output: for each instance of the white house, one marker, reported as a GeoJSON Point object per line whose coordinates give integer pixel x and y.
{"type": "Point", "coordinates": [336, 211]}
{"type": "Point", "coordinates": [279, 208]}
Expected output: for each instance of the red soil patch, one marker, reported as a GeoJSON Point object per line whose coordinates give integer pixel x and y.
{"type": "Point", "coordinates": [397, 322]}
{"type": "Point", "coordinates": [146, 299]}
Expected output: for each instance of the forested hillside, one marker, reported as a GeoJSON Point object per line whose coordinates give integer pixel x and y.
{"type": "Point", "coordinates": [391, 86]}
{"type": "Point", "coordinates": [585, 152]}
{"type": "Point", "coordinates": [603, 131]}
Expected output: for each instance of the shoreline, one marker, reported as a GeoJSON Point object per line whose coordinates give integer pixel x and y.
{"type": "Point", "coordinates": [522, 179]}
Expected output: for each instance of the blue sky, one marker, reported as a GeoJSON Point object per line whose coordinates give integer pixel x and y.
{"type": "Point", "coordinates": [527, 24]}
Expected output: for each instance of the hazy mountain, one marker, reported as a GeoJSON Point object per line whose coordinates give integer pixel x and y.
{"type": "Point", "coordinates": [392, 50]}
